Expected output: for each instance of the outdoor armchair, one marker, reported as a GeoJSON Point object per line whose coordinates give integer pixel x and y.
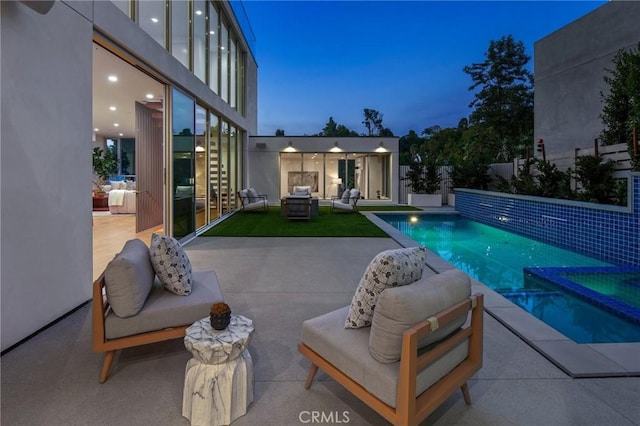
{"type": "Point", "coordinates": [347, 202]}
{"type": "Point", "coordinates": [250, 200]}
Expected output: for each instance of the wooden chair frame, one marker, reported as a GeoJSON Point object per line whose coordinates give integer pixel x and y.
{"type": "Point", "coordinates": [110, 346]}
{"type": "Point", "coordinates": [410, 408]}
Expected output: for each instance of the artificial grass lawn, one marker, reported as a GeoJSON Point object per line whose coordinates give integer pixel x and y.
{"type": "Point", "coordinates": [271, 224]}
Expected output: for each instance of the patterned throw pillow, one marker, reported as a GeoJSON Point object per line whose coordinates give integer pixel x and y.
{"type": "Point", "coordinates": [391, 268]}
{"type": "Point", "coordinates": [345, 196]}
{"type": "Point", "coordinates": [171, 264]}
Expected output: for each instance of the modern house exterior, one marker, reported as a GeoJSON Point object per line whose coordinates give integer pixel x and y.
{"type": "Point", "coordinates": [569, 66]}
{"type": "Point", "coordinates": [186, 80]}
{"type": "Point", "coordinates": [170, 85]}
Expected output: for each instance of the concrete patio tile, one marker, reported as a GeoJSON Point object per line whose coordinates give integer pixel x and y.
{"type": "Point", "coordinates": [525, 324]}
{"type": "Point", "coordinates": [579, 360]}
{"type": "Point", "coordinates": [625, 354]}
{"type": "Point", "coordinates": [558, 402]}
{"type": "Point", "coordinates": [506, 356]}
{"type": "Point", "coordinates": [288, 403]}
{"type": "Point", "coordinates": [622, 394]}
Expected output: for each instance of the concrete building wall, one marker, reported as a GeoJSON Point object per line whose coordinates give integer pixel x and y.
{"type": "Point", "coordinates": [45, 172]}
{"type": "Point", "coordinates": [45, 140]}
{"type": "Point", "coordinates": [263, 160]}
{"type": "Point", "coordinates": [569, 66]}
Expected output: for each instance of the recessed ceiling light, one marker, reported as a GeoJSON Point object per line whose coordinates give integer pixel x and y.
{"type": "Point", "coordinates": [116, 124]}
{"type": "Point", "coordinates": [198, 12]}
{"type": "Point", "coordinates": [149, 95]}
{"type": "Point", "coordinates": [212, 32]}
{"type": "Point", "coordinates": [154, 20]}
{"type": "Point", "coordinates": [222, 47]}
{"type": "Point", "coordinates": [96, 130]}
{"type": "Point", "coordinates": [113, 78]}
{"type": "Point", "coordinates": [112, 108]}
{"type": "Point", "coordinates": [120, 134]}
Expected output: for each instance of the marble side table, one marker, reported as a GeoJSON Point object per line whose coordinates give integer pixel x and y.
{"type": "Point", "coordinates": [218, 380]}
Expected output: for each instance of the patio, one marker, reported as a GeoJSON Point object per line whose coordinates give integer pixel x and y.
{"type": "Point", "coordinates": [278, 282]}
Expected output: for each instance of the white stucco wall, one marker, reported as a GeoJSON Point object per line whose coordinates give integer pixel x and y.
{"type": "Point", "coordinates": [45, 173]}
{"type": "Point", "coordinates": [46, 137]}
{"type": "Point", "coordinates": [569, 66]}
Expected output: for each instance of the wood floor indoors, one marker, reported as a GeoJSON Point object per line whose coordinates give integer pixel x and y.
{"type": "Point", "coordinates": [110, 232]}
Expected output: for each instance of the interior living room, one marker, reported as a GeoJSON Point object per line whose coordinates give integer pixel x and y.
{"type": "Point", "coordinates": [128, 116]}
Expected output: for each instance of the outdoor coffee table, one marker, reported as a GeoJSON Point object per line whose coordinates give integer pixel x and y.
{"type": "Point", "coordinates": [287, 201]}
{"type": "Point", "coordinates": [218, 380]}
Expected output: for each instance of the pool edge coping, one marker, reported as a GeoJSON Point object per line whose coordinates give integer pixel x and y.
{"type": "Point", "coordinates": [578, 360]}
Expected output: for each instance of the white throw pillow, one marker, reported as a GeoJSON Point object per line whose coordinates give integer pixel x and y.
{"type": "Point", "coordinates": [390, 268]}
{"type": "Point", "coordinates": [355, 195]}
{"type": "Point", "coordinates": [171, 264]}
{"type": "Point", "coordinates": [345, 196]}
{"type": "Point", "coordinates": [252, 194]}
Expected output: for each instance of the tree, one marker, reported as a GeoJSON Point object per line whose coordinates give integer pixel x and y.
{"type": "Point", "coordinates": [334, 129]}
{"type": "Point", "coordinates": [279, 132]}
{"type": "Point", "coordinates": [405, 144]}
{"type": "Point", "coordinates": [504, 102]}
{"type": "Point", "coordinates": [373, 122]}
{"type": "Point", "coordinates": [621, 110]}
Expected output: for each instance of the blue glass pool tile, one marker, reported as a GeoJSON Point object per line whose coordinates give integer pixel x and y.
{"type": "Point", "coordinates": [557, 277]}
{"type": "Point", "coordinates": [611, 236]}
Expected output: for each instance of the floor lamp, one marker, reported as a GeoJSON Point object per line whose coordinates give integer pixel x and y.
{"type": "Point", "coordinates": [338, 182]}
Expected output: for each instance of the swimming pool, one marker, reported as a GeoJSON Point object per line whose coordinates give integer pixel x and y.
{"type": "Point", "coordinates": [498, 259]}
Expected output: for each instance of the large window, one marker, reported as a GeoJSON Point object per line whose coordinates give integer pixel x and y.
{"type": "Point", "coordinates": [201, 164]}
{"type": "Point", "coordinates": [180, 31]}
{"type": "Point", "coordinates": [152, 19]}
{"type": "Point", "coordinates": [200, 37]}
{"type": "Point", "coordinates": [214, 166]}
{"type": "Point", "coordinates": [183, 191]}
{"type": "Point", "coordinates": [214, 49]}
{"type": "Point", "coordinates": [233, 90]}
{"type": "Point", "coordinates": [224, 63]}
{"type": "Point", "coordinates": [330, 174]}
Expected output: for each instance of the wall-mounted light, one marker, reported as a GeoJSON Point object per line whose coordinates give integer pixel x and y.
{"type": "Point", "coordinates": [381, 147]}
{"type": "Point", "coordinates": [200, 148]}
{"type": "Point", "coordinates": [336, 181]}
{"type": "Point", "coordinates": [335, 147]}
{"type": "Point", "coordinates": [290, 147]}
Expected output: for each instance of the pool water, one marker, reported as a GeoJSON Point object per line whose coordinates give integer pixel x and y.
{"type": "Point", "coordinates": [497, 258]}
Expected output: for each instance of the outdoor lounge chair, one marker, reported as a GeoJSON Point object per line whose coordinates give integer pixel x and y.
{"type": "Point", "coordinates": [250, 200]}
{"type": "Point", "coordinates": [347, 202]}
{"type": "Point", "coordinates": [417, 351]}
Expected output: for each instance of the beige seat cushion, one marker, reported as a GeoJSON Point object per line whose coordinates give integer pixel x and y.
{"type": "Point", "coordinates": [400, 308]}
{"type": "Point", "coordinates": [164, 309]}
{"type": "Point", "coordinates": [348, 350]}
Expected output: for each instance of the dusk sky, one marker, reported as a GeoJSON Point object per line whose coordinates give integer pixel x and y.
{"type": "Point", "coordinates": [321, 59]}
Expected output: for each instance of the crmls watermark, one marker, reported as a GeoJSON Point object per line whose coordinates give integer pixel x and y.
{"type": "Point", "coordinates": [324, 417]}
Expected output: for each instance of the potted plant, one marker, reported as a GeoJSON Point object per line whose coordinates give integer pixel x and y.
{"type": "Point", "coordinates": [424, 180]}
{"type": "Point", "coordinates": [104, 164]}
